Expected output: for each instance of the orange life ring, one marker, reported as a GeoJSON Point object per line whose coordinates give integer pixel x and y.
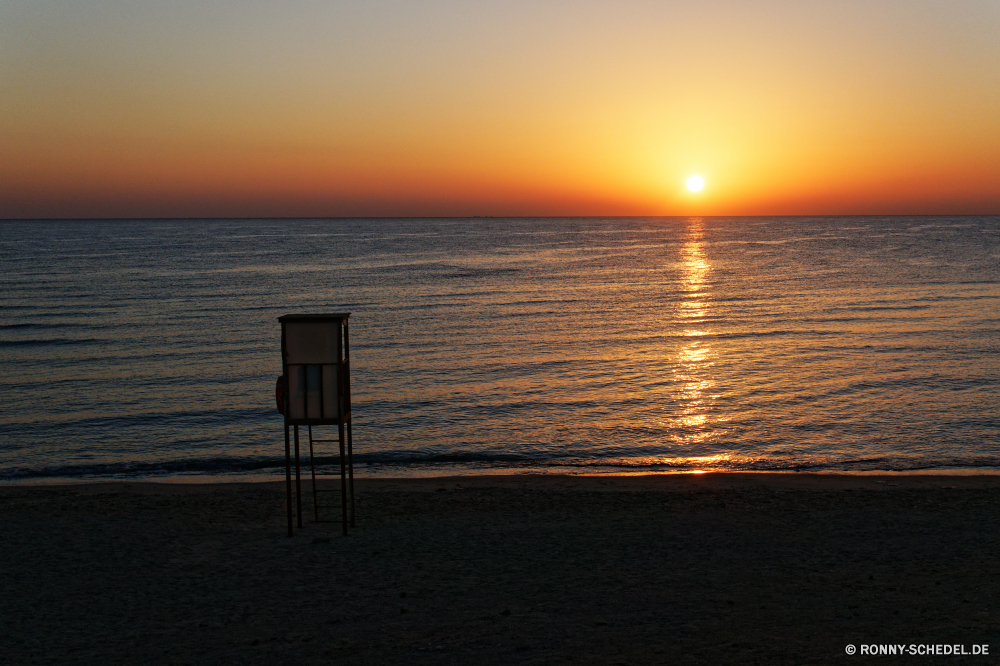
{"type": "Point", "coordinates": [279, 394]}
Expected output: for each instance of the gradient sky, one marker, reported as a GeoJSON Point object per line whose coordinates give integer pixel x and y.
{"type": "Point", "coordinates": [176, 108]}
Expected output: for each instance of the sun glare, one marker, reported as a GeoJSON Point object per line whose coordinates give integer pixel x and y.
{"type": "Point", "coordinates": [695, 183]}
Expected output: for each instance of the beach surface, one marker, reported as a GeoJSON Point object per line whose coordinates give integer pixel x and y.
{"type": "Point", "coordinates": [698, 568]}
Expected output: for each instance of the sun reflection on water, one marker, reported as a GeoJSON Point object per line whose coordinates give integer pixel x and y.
{"type": "Point", "coordinates": [693, 361]}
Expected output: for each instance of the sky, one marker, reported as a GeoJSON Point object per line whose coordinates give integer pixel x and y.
{"type": "Point", "coordinates": [256, 108]}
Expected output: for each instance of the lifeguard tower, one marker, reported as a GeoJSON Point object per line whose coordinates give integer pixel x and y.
{"type": "Point", "coordinates": [315, 390]}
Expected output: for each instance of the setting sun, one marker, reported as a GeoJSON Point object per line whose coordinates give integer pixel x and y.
{"type": "Point", "coordinates": [695, 183]}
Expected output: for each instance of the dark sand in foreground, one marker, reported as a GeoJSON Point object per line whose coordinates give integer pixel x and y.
{"type": "Point", "coordinates": [713, 569]}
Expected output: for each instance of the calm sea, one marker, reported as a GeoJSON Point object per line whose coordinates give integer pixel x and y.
{"type": "Point", "coordinates": [150, 348]}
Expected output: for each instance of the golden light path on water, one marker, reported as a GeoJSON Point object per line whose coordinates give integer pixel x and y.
{"type": "Point", "coordinates": [692, 367]}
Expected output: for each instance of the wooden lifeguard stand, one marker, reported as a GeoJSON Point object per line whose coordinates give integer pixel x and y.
{"type": "Point", "coordinates": [316, 370]}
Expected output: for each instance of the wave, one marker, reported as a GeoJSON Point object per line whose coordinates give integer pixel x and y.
{"type": "Point", "coordinates": [406, 463]}
{"type": "Point", "coordinates": [36, 326]}
{"type": "Point", "coordinates": [67, 342]}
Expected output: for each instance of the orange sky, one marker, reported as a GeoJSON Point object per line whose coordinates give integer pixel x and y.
{"type": "Point", "coordinates": [253, 108]}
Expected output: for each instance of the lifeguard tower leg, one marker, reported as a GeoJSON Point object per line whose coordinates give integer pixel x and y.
{"type": "Point", "coordinates": [298, 477]}
{"type": "Point", "coordinates": [288, 477]}
{"type": "Point", "coordinates": [350, 469]}
{"type": "Point", "coordinates": [343, 478]}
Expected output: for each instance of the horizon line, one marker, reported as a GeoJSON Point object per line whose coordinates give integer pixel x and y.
{"type": "Point", "coordinates": [476, 217]}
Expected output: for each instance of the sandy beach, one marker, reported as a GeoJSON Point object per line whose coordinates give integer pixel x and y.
{"type": "Point", "coordinates": [710, 569]}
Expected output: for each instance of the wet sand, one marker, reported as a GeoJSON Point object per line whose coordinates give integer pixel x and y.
{"type": "Point", "coordinates": [712, 569]}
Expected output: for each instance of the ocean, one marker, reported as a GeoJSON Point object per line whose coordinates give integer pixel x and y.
{"type": "Point", "coordinates": [147, 349]}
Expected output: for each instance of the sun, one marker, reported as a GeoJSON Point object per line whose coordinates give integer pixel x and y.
{"type": "Point", "coordinates": [695, 183]}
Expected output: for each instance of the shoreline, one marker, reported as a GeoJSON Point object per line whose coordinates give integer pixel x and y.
{"type": "Point", "coordinates": [908, 478]}
{"type": "Point", "coordinates": [719, 568]}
